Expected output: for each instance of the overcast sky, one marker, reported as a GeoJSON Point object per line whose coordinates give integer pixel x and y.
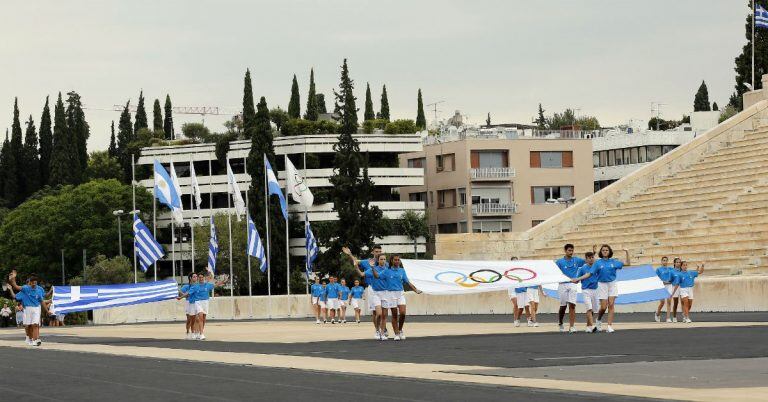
{"type": "Point", "coordinates": [608, 58]}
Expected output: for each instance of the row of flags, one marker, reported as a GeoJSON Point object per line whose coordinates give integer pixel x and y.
{"type": "Point", "coordinates": [168, 192]}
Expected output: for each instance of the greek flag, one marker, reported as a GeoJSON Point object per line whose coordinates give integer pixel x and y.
{"type": "Point", "coordinates": [274, 187]}
{"type": "Point", "coordinates": [70, 299]}
{"type": "Point", "coordinates": [636, 285]}
{"type": "Point", "coordinates": [213, 249]}
{"type": "Point", "coordinates": [255, 248]}
{"type": "Point", "coordinates": [761, 17]}
{"type": "Point", "coordinates": [197, 196]}
{"type": "Point", "coordinates": [312, 249]}
{"type": "Point", "coordinates": [148, 250]}
{"type": "Point", "coordinates": [234, 190]}
{"type": "Point", "coordinates": [166, 190]}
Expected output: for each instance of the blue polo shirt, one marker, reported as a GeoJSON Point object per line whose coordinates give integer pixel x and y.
{"type": "Point", "coordinates": [607, 268]}
{"type": "Point", "coordinates": [193, 290]}
{"type": "Point", "coordinates": [332, 290]}
{"type": "Point", "coordinates": [665, 274]}
{"type": "Point", "coordinates": [569, 266]}
{"type": "Point", "coordinates": [377, 284]}
{"type": "Point", "coordinates": [29, 296]}
{"type": "Point", "coordinates": [324, 294]}
{"type": "Point", "coordinates": [204, 291]}
{"type": "Point", "coordinates": [675, 277]}
{"type": "Point", "coordinates": [344, 292]}
{"type": "Point", "coordinates": [687, 278]}
{"type": "Point", "coordinates": [591, 282]}
{"type": "Point", "coordinates": [316, 289]}
{"type": "Point", "coordinates": [521, 290]}
{"type": "Point", "coordinates": [357, 292]}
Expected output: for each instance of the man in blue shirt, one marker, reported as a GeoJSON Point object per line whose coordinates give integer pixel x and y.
{"type": "Point", "coordinates": [588, 277]}
{"type": "Point", "coordinates": [343, 300]}
{"type": "Point", "coordinates": [664, 272]}
{"type": "Point", "coordinates": [356, 295]}
{"type": "Point", "coordinates": [568, 291]}
{"type": "Point", "coordinates": [372, 299]}
{"type": "Point", "coordinates": [333, 293]}
{"type": "Point", "coordinates": [323, 300]}
{"type": "Point", "coordinates": [31, 297]}
{"type": "Point", "coordinates": [316, 291]}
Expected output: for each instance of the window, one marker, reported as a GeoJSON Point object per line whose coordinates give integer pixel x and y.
{"type": "Point", "coordinates": [603, 158]}
{"type": "Point", "coordinates": [432, 198]}
{"type": "Point", "coordinates": [542, 194]}
{"type": "Point", "coordinates": [418, 196]}
{"type": "Point", "coordinates": [445, 163]}
{"type": "Point", "coordinates": [611, 158]}
{"type": "Point", "coordinates": [633, 155]}
{"type": "Point", "coordinates": [417, 163]}
{"type": "Point", "coordinates": [447, 228]}
{"type": "Point", "coordinates": [667, 148]}
{"type": "Point", "coordinates": [595, 159]}
{"type": "Point", "coordinates": [641, 155]}
{"type": "Point", "coordinates": [536, 222]}
{"type": "Point", "coordinates": [625, 151]}
{"type": "Point", "coordinates": [549, 159]}
{"type": "Point", "coordinates": [463, 196]}
{"type": "Point", "coordinates": [490, 159]}
{"type": "Point", "coordinates": [479, 226]}
{"type": "Point", "coordinates": [654, 152]}
{"type": "Point", "coordinates": [446, 198]}
{"type": "Point", "coordinates": [463, 227]}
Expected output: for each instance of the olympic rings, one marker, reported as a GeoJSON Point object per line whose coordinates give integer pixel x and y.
{"type": "Point", "coordinates": [462, 279]}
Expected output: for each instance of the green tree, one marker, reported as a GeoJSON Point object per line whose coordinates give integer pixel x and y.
{"type": "Point", "coordinates": [588, 123]}
{"type": "Point", "coordinates": [103, 166]}
{"type": "Point", "coordinates": [743, 62]}
{"type": "Point", "coordinates": [715, 107]}
{"type": "Point", "coordinates": [541, 121]}
{"type": "Point", "coordinates": [234, 125]}
{"type": "Point", "coordinates": [31, 161]}
{"type": "Point", "coordinates": [249, 111]}
{"type": "Point", "coordinates": [46, 143]}
{"type": "Point", "coordinates": [13, 169]}
{"type": "Point", "coordinates": [421, 120]}
{"type": "Point", "coordinates": [351, 187]}
{"type": "Point", "coordinates": [157, 116]}
{"type": "Point", "coordinates": [294, 105]}
{"type": "Point", "coordinates": [727, 112]}
{"type": "Point", "coordinates": [384, 112]}
{"type": "Point", "coordinates": [321, 109]}
{"type": "Point", "coordinates": [125, 137]}
{"type": "Point", "coordinates": [63, 164]}
{"type": "Point", "coordinates": [4, 162]}
{"type": "Point", "coordinates": [107, 271]}
{"type": "Point", "coordinates": [79, 132]}
{"type": "Point", "coordinates": [368, 114]}
{"type": "Point", "coordinates": [195, 131]}
{"type": "Point", "coordinates": [311, 112]}
{"type": "Point", "coordinates": [701, 100]}
{"type": "Point", "coordinates": [239, 256]}
{"type": "Point", "coordinates": [70, 219]}
{"type": "Point", "coordinates": [168, 122]}
{"type": "Point", "coordinates": [414, 225]}
{"type": "Point", "coordinates": [112, 150]}
{"type": "Point", "coordinates": [261, 145]}
{"type": "Point", "coordinates": [560, 120]}
{"type": "Point", "coordinates": [488, 120]}
{"type": "Point", "coordinates": [401, 126]}
{"type": "Point", "coordinates": [140, 121]}
{"type": "Point", "coordinates": [279, 117]}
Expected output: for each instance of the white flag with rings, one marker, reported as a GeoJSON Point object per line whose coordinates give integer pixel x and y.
{"type": "Point", "coordinates": [297, 185]}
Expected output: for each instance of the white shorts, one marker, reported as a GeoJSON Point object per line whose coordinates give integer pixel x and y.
{"type": "Point", "coordinates": [522, 299]}
{"type": "Point", "coordinates": [686, 292]}
{"type": "Point", "coordinates": [342, 303]}
{"type": "Point", "coordinates": [189, 308]}
{"type": "Point", "coordinates": [31, 316]}
{"type": "Point", "coordinates": [376, 299]}
{"type": "Point", "coordinates": [332, 304]}
{"type": "Point", "coordinates": [321, 303]}
{"type": "Point", "coordinates": [606, 290]}
{"type": "Point", "coordinates": [567, 292]}
{"type": "Point", "coordinates": [387, 299]}
{"type": "Point", "coordinates": [591, 301]}
{"type": "Point", "coordinates": [60, 317]}
{"type": "Point", "coordinates": [400, 298]}
{"type": "Point", "coordinates": [201, 306]}
{"type": "Point", "coordinates": [532, 294]}
{"type": "Point", "coordinates": [355, 303]}
{"type": "Point", "coordinates": [315, 300]}
{"type": "Point", "coordinates": [671, 290]}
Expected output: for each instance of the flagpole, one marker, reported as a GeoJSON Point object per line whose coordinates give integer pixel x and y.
{"type": "Point", "coordinates": [210, 201]}
{"type": "Point", "coordinates": [133, 191]}
{"type": "Point", "coordinates": [269, 262]}
{"type": "Point", "coordinates": [306, 217]}
{"type": "Point", "coordinates": [193, 199]}
{"type": "Point", "coordinates": [753, 45]}
{"type": "Point", "coordinates": [247, 254]}
{"type": "Point", "coordinates": [231, 265]}
{"type": "Point", "coordinates": [154, 225]}
{"type": "Point", "coordinates": [287, 246]}
{"type": "Point", "coordinates": [173, 248]}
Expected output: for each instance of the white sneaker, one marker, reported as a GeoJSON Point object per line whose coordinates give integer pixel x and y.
{"type": "Point", "coordinates": [535, 324]}
{"type": "Point", "coordinates": [609, 329]}
{"type": "Point", "coordinates": [333, 321]}
{"type": "Point", "coordinates": [29, 342]}
{"type": "Point", "coordinates": [384, 337]}
{"type": "Point", "coordinates": [344, 321]}
{"type": "Point", "coordinates": [599, 326]}
{"type": "Point", "coordinates": [402, 335]}
{"type": "Point", "coordinates": [386, 333]}
{"type": "Point", "coordinates": [325, 322]}
{"type": "Point", "coordinates": [201, 337]}
{"type": "Point", "coordinates": [187, 337]}
{"type": "Point", "coordinates": [397, 337]}
{"type": "Point", "coordinates": [674, 319]}
{"type": "Point", "coordinates": [517, 323]}
{"type": "Point", "coordinates": [530, 323]}
{"type": "Point", "coordinates": [377, 336]}
{"type": "Point", "coordinates": [561, 327]}
{"type": "Point", "coordinates": [317, 321]}
{"type": "Point", "coordinates": [669, 320]}
{"type": "Point", "coordinates": [37, 342]}
{"type": "Point", "coordinates": [572, 330]}
{"type": "Point", "coordinates": [657, 317]}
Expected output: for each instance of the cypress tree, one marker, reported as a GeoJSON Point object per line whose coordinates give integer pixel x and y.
{"type": "Point", "coordinates": [368, 113]}
{"type": "Point", "coordinates": [13, 169]}
{"type": "Point", "coordinates": [168, 122]}
{"type": "Point", "coordinates": [541, 121]}
{"type": "Point", "coordinates": [46, 144]}
{"type": "Point", "coordinates": [311, 112]}
{"type": "Point", "coordinates": [351, 188]}
{"type": "Point", "coordinates": [141, 115]}
{"type": "Point", "coordinates": [701, 100]}
{"type": "Point", "coordinates": [62, 164]}
{"type": "Point", "coordinates": [3, 163]}
{"type": "Point", "coordinates": [294, 106]}
{"type": "Point", "coordinates": [249, 111]}
{"type": "Point", "coordinates": [157, 116]}
{"type": "Point", "coordinates": [743, 62]}
{"type": "Point", "coordinates": [421, 120]}
{"type": "Point", "coordinates": [125, 136]}
{"type": "Point", "coordinates": [488, 120]}
{"type": "Point", "coordinates": [79, 133]}
{"type": "Point", "coordinates": [112, 150]}
{"type": "Point", "coordinates": [715, 107]}
{"type": "Point", "coordinates": [31, 166]}
{"type": "Point", "coordinates": [321, 109]}
{"type": "Point", "coordinates": [384, 113]}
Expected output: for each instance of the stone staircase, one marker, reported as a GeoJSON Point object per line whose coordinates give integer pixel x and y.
{"type": "Point", "coordinates": [713, 211]}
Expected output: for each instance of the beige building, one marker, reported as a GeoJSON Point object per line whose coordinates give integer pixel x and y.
{"type": "Point", "coordinates": [486, 183]}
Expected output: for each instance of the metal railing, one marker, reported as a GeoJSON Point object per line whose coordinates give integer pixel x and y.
{"type": "Point", "coordinates": [494, 209]}
{"type": "Point", "coordinates": [492, 173]}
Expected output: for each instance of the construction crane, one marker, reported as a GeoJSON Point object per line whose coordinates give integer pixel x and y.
{"type": "Point", "coordinates": [199, 110]}
{"type": "Point", "coordinates": [434, 107]}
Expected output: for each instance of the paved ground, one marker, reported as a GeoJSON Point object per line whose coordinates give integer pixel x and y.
{"type": "Point", "coordinates": [720, 357]}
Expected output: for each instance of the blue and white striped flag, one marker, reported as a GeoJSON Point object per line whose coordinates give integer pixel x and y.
{"type": "Point", "coordinates": [255, 248]}
{"type": "Point", "coordinates": [213, 249]}
{"type": "Point", "coordinates": [274, 187]}
{"type": "Point", "coordinates": [166, 191]}
{"type": "Point", "coordinates": [70, 299]}
{"type": "Point", "coordinates": [148, 250]}
{"type": "Point", "coordinates": [312, 249]}
{"type": "Point", "coordinates": [636, 285]}
{"type": "Point", "coordinates": [761, 17]}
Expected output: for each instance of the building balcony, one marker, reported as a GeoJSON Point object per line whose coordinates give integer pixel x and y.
{"type": "Point", "coordinates": [492, 173]}
{"type": "Point", "coordinates": [493, 209]}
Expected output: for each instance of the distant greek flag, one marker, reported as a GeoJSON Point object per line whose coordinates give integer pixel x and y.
{"type": "Point", "coordinates": [761, 17]}
{"type": "Point", "coordinates": [636, 285]}
{"type": "Point", "coordinates": [274, 187]}
{"type": "Point", "coordinates": [70, 299]}
{"type": "Point", "coordinates": [148, 250]}
{"type": "Point", "coordinates": [312, 249]}
{"type": "Point", "coordinates": [197, 196]}
{"type": "Point", "coordinates": [234, 190]}
{"type": "Point", "coordinates": [213, 249]}
{"type": "Point", "coordinates": [255, 248]}
{"type": "Point", "coordinates": [166, 191]}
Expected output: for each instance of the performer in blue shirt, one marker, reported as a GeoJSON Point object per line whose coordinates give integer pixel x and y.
{"type": "Point", "coordinates": [186, 292]}
{"type": "Point", "coordinates": [332, 298]}
{"type": "Point", "coordinates": [588, 278]}
{"type": "Point", "coordinates": [519, 297]}
{"type": "Point", "coordinates": [356, 296]}
{"type": "Point", "coordinates": [364, 269]}
{"type": "Point", "coordinates": [607, 290]}
{"type": "Point", "coordinates": [396, 279]}
{"type": "Point", "coordinates": [343, 300]}
{"type": "Point", "coordinates": [664, 272]}
{"type": "Point", "coordinates": [686, 288]}
{"type": "Point", "coordinates": [677, 264]}
{"type": "Point", "coordinates": [568, 291]}
{"type": "Point", "coordinates": [316, 292]}
{"type": "Point", "coordinates": [206, 284]}
{"type": "Point", "coordinates": [31, 297]}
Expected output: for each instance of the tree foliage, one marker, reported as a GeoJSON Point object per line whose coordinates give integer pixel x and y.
{"type": "Point", "coordinates": [701, 100]}
{"type": "Point", "coordinates": [63, 162]}
{"type": "Point", "coordinates": [384, 111]}
{"type": "Point", "coordinates": [279, 117]}
{"type": "Point", "coordinates": [541, 121]}
{"type": "Point", "coordinates": [101, 165]}
{"type": "Point", "coordinates": [141, 114]}
{"type": "Point", "coordinates": [401, 126]}
{"type": "Point", "coordinates": [249, 110]}
{"type": "Point", "coordinates": [321, 108]}
{"type": "Point", "coordinates": [112, 141]}
{"type": "Point", "coordinates": [108, 271]}
{"type": "Point", "coordinates": [294, 105]}
{"type": "Point", "coordinates": [295, 127]}
{"type": "Point", "coordinates": [13, 186]}
{"type": "Point", "coordinates": [421, 120]}
{"type": "Point", "coordinates": [46, 143]}
{"type": "Point", "coordinates": [195, 131]}
{"type": "Point", "coordinates": [311, 113]}
{"type": "Point", "coordinates": [368, 114]}
{"type": "Point", "coordinates": [79, 133]}
{"type": "Point", "coordinates": [168, 121]}
{"type": "Point", "coordinates": [30, 171]}
{"type": "Point", "coordinates": [157, 116]}
{"type": "Point", "coordinates": [125, 137]}
{"type": "Point", "coordinates": [743, 62]}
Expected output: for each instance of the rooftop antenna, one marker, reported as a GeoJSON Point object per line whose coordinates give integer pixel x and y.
{"type": "Point", "coordinates": [434, 108]}
{"type": "Point", "coordinates": [656, 107]}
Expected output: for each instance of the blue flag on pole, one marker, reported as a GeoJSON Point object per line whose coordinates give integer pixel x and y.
{"type": "Point", "coordinates": [213, 249]}
{"type": "Point", "coordinates": [255, 248]}
{"type": "Point", "coordinates": [148, 250]}
{"type": "Point", "coordinates": [636, 285]}
{"type": "Point", "coordinates": [761, 17]}
{"type": "Point", "coordinates": [312, 249]}
{"type": "Point", "coordinates": [166, 190]}
{"type": "Point", "coordinates": [274, 187]}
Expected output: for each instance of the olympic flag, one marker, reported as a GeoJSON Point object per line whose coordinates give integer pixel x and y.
{"type": "Point", "coordinates": [453, 277]}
